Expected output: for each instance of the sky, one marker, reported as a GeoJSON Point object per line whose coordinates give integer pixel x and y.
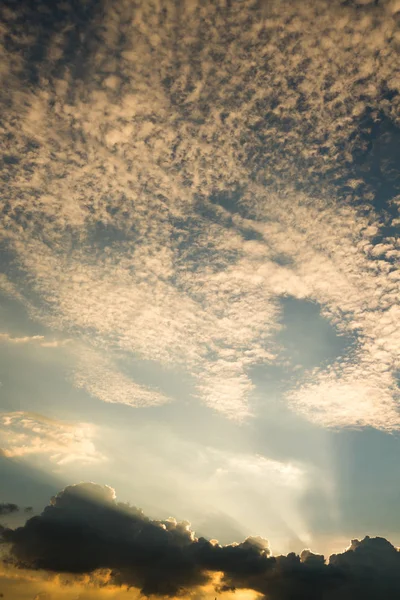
{"type": "Point", "coordinates": [199, 299]}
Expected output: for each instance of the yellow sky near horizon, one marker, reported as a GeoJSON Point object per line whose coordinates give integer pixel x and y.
{"type": "Point", "coordinates": [18, 584]}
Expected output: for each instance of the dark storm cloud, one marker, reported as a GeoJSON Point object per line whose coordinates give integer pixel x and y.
{"type": "Point", "coordinates": [84, 529]}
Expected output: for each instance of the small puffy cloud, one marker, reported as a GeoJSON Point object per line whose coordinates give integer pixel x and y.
{"type": "Point", "coordinates": [24, 434]}
{"type": "Point", "coordinates": [84, 531]}
{"type": "Point", "coordinates": [7, 508]}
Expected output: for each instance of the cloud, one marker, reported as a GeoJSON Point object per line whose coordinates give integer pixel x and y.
{"type": "Point", "coordinates": [8, 288]}
{"type": "Point", "coordinates": [85, 529]}
{"type": "Point", "coordinates": [7, 508]}
{"type": "Point", "coordinates": [348, 394]}
{"type": "Point", "coordinates": [172, 173]}
{"type": "Point", "coordinates": [102, 379]}
{"type": "Point", "coordinates": [23, 434]}
{"type": "Point", "coordinates": [33, 339]}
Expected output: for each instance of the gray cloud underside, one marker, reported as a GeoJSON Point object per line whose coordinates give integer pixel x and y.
{"type": "Point", "coordinates": [84, 529]}
{"type": "Point", "coordinates": [172, 170]}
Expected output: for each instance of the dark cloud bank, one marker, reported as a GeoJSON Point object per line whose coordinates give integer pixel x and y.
{"type": "Point", "coordinates": [84, 529]}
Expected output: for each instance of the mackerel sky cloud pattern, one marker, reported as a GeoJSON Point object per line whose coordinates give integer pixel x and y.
{"type": "Point", "coordinates": [171, 180]}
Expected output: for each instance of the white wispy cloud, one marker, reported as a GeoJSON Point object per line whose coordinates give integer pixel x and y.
{"type": "Point", "coordinates": [23, 434]}
{"type": "Point", "coordinates": [40, 340]}
{"type": "Point", "coordinates": [102, 379]}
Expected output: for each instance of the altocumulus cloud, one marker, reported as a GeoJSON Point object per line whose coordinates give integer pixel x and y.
{"type": "Point", "coordinates": [171, 170]}
{"type": "Point", "coordinates": [84, 529]}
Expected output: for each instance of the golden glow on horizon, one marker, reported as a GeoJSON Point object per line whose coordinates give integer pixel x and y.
{"type": "Point", "coordinates": [20, 584]}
